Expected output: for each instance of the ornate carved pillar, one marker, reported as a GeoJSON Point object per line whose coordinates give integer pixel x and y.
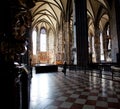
{"type": "Point", "coordinates": [81, 32]}
{"type": "Point", "coordinates": [16, 33]}
{"type": "Point", "coordinates": [16, 22]}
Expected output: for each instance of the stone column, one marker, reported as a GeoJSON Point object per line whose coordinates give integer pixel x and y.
{"type": "Point", "coordinates": [117, 9]}
{"type": "Point", "coordinates": [37, 46]}
{"type": "Point", "coordinates": [81, 32]}
{"type": "Point", "coordinates": [59, 45]}
{"type": "Point", "coordinates": [15, 22]}
{"type": "Point", "coordinates": [97, 43]}
{"type": "Point", "coordinates": [67, 41]}
{"type": "Point", "coordinates": [90, 49]}
{"type": "Point", "coordinates": [38, 40]}
{"type": "Point", "coordinates": [90, 44]}
{"type": "Point", "coordinates": [105, 48]}
{"type": "Point", "coordinates": [74, 36]}
{"type": "Point", "coordinates": [113, 29]}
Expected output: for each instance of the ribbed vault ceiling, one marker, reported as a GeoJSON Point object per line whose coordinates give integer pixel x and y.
{"type": "Point", "coordinates": [48, 13]}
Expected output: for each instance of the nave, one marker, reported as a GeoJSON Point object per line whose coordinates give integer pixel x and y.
{"type": "Point", "coordinates": [76, 90]}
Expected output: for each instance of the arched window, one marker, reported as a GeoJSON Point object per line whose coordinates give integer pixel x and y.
{"type": "Point", "coordinates": [34, 36]}
{"type": "Point", "coordinates": [109, 38]}
{"type": "Point", "coordinates": [101, 47]}
{"type": "Point", "coordinates": [43, 40]}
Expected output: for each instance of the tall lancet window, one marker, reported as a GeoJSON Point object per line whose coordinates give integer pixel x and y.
{"type": "Point", "coordinates": [34, 36]}
{"type": "Point", "coordinates": [43, 40]}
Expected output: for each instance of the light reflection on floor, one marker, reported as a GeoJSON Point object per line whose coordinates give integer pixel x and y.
{"type": "Point", "coordinates": [77, 90]}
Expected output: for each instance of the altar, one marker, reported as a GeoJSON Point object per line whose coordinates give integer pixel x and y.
{"type": "Point", "coordinates": [41, 68]}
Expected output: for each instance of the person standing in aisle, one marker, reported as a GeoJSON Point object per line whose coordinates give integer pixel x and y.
{"type": "Point", "coordinates": [64, 68]}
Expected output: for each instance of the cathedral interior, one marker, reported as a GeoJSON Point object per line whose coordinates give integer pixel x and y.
{"type": "Point", "coordinates": [83, 33]}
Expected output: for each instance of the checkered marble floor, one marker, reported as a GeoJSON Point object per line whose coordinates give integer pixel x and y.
{"type": "Point", "coordinates": [76, 90]}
